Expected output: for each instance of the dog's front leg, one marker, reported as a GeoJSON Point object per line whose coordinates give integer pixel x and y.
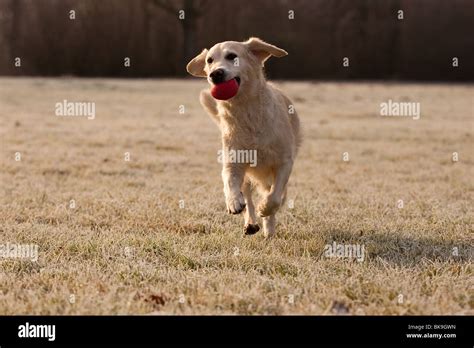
{"type": "Point", "coordinates": [272, 201]}
{"type": "Point", "coordinates": [233, 177]}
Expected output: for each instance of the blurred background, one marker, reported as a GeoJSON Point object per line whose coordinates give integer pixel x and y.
{"type": "Point", "coordinates": [379, 45]}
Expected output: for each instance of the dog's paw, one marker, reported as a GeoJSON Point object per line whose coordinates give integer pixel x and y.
{"type": "Point", "coordinates": [269, 234]}
{"type": "Point", "coordinates": [235, 204]}
{"type": "Point", "coordinates": [251, 229]}
{"type": "Point", "coordinates": [268, 206]}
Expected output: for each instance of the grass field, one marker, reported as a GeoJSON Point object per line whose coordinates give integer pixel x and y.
{"type": "Point", "coordinates": [129, 246]}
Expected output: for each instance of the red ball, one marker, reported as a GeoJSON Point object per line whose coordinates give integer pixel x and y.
{"type": "Point", "coordinates": [225, 90]}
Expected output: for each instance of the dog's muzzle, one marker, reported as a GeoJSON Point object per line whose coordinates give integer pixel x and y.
{"type": "Point", "coordinates": [217, 76]}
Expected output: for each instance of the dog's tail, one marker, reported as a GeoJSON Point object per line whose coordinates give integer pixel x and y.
{"type": "Point", "coordinates": [295, 125]}
{"type": "Point", "coordinates": [294, 121]}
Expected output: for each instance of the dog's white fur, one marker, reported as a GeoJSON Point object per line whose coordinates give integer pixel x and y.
{"type": "Point", "coordinates": [260, 117]}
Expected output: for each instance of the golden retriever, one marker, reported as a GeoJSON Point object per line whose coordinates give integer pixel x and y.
{"type": "Point", "coordinates": [258, 118]}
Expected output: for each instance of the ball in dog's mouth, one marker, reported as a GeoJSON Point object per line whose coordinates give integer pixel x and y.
{"type": "Point", "coordinates": [227, 89]}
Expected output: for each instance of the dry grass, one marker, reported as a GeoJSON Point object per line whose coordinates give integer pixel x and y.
{"type": "Point", "coordinates": [200, 251]}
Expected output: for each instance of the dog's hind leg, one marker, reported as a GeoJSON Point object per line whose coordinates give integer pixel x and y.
{"type": "Point", "coordinates": [269, 224]}
{"type": "Point", "coordinates": [251, 226]}
{"type": "Point", "coordinates": [273, 200]}
{"type": "Point", "coordinates": [284, 195]}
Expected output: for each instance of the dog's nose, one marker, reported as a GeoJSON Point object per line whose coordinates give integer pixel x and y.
{"type": "Point", "coordinates": [217, 76]}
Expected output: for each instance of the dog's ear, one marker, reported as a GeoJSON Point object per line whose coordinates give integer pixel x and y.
{"type": "Point", "coordinates": [196, 66]}
{"type": "Point", "coordinates": [263, 50]}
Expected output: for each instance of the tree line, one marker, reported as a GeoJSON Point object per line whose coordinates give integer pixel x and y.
{"type": "Point", "coordinates": [337, 39]}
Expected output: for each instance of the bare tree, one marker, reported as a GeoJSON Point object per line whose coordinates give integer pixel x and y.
{"type": "Point", "coordinates": [192, 11]}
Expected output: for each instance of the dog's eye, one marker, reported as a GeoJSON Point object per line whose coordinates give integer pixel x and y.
{"type": "Point", "coordinates": [209, 60]}
{"type": "Point", "coordinates": [231, 56]}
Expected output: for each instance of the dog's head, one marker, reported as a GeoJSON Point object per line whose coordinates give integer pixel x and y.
{"type": "Point", "coordinates": [242, 61]}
